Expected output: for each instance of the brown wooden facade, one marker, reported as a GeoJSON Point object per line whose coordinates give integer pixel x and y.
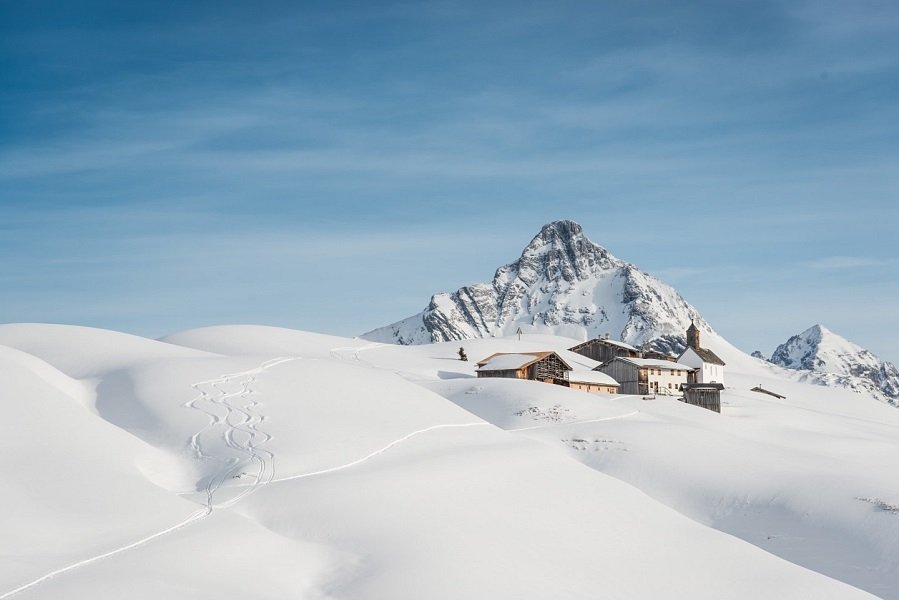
{"type": "Point", "coordinates": [544, 366]}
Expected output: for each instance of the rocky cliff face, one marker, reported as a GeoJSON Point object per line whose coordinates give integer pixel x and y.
{"type": "Point", "coordinates": [829, 359]}
{"type": "Point", "coordinates": [562, 284]}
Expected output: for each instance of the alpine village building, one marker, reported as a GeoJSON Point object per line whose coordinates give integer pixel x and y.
{"type": "Point", "coordinates": [709, 367]}
{"type": "Point", "coordinates": [698, 372]}
{"type": "Point", "coordinates": [603, 349]}
{"type": "Point", "coordinates": [536, 366]}
{"type": "Point", "coordinates": [707, 381]}
{"type": "Point", "coordinates": [646, 375]}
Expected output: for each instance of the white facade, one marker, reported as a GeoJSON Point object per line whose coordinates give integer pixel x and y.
{"type": "Point", "coordinates": [706, 372]}
{"type": "Point", "coordinates": [665, 377]}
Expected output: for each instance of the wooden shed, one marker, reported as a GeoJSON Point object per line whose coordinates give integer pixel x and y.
{"type": "Point", "coordinates": [603, 350]}
{"type": "Point", "coordinates": [535, 366]}
{"type": "Point", "coordinates": [705, 395]}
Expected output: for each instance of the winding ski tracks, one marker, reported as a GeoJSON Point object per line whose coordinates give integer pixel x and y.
{"type": "Point", "coordinates": [236, 414]}
{"type": "Point", "coordinates": [242, 436]}
{"type": "Point", "coordinates": [234, 411]}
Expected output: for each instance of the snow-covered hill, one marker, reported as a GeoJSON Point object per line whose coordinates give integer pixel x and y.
{"type": "Point", "coordinates": [266, 463]}
{"type": "Point", "coordinates": [562, 284]}
{"type": "Point", "coordinates": [829, 359]}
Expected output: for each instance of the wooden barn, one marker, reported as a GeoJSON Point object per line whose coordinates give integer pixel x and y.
{"type": "Point", "coordinates": [705, 395]}
{"type": "Point", "coordinates": [535, 366]}
{"type": "Point", "coordinates": [594, 382]}
{"type": "Point", "coordinates": [647, 376]}
{"type": "Point", "coordinates": [603, 350]}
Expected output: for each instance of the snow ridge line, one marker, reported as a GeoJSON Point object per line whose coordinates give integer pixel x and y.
{"type": "Point", "coordinates": [379, 451]}
{"type": "Point", "coordinates": [630, 414]}
{"type": "Point", "coordinates": [246, 426]}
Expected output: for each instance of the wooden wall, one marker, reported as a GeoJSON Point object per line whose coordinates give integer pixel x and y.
{"type": "Point", "coordinates": [704, 397]}
{"type": "Point", "coordinates": [627, 375]}
{"type": "Point", "coordinates": [547, 369]}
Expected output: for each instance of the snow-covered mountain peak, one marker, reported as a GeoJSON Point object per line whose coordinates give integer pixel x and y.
{"type": "Point", "coordinates": [819, 349]}
{"type": "Point", "coordinates": [833, 360]}
{"type": "Point", "coordinates": [564, 284]}
{"type": "Point", "coordinates": [560, 252]}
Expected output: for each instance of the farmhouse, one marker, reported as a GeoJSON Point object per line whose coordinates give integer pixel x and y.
{"type": "Point", "coordinates": [590, 381]}
{"type": "Point", "coordinates": [646, 375]}
{"type": "Point", "coordinates": [536, 366]}
{"type": "Point", "coordinates": [603, 349]}
{"type": "Point", "coordinates": [709, 368]}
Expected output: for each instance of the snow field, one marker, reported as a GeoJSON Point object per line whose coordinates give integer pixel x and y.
{"type": "Point", "coordinates": [320, 467]}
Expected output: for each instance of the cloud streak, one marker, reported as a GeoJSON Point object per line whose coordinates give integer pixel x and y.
{"type": "Point", "coordinates": [145, 154]}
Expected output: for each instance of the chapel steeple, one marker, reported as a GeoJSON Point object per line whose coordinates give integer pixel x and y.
{"type": "Point", "coordinates": [693, 336]}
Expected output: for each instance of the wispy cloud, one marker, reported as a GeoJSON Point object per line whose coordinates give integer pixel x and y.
{"type": "Point", "coordinates": [836, 263]}
{"type": "Point", "coordinates": [723, 146]}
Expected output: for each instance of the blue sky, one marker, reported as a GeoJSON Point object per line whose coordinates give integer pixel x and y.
{"type": "Point", "coordinates": [329, 165]}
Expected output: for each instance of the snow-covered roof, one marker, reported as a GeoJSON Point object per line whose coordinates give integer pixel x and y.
{"type": "Point", "coordinates": [591, 377]}
{"type": "Point", "coordinates": [620, 344]}
{"type": "Point", "coordinates": [506, 362]}
{"type": "Point", "coordinates": [655, 363]}
{"type": "Point", "coordinates": [503, 361]}
{"type": "Point", "coordinates": [605, 341]}
{"type": "Point", "coordinates": [706, 355]}
{"type": "Point", "coordinates": [578, 361]}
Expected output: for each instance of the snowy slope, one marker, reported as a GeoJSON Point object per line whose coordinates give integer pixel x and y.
{"type": "Point", "coordinates": [263, 463]}
{"type": "Point", "coordinates": [809, 478]}
{"type": "Point", "coordinates": [562, 284]}
{"type": "Point", "coordinates": [829, 359]}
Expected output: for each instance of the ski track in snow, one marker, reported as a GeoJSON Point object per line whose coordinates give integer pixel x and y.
{"type": "Point", "coordinates": [341, 354]}
{"type": "Point", "coordinates": [247, 422]}
{"type": "Point", "coordinates": [247, 425]}
{"type": "Point", "coordinates": [191, 519]}
{"type": "Point", "coordinates": [380, 450]}
{"type": "Point", "coordinates": [354, 351]}
{"type": "Point", "coordinates": [240, 436]}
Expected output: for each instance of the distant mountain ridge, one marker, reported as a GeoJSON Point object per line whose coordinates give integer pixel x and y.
{"type": "Point", "coordinates": [563, 284]}
{"type": "Point", "coordinates": [832, 360]}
